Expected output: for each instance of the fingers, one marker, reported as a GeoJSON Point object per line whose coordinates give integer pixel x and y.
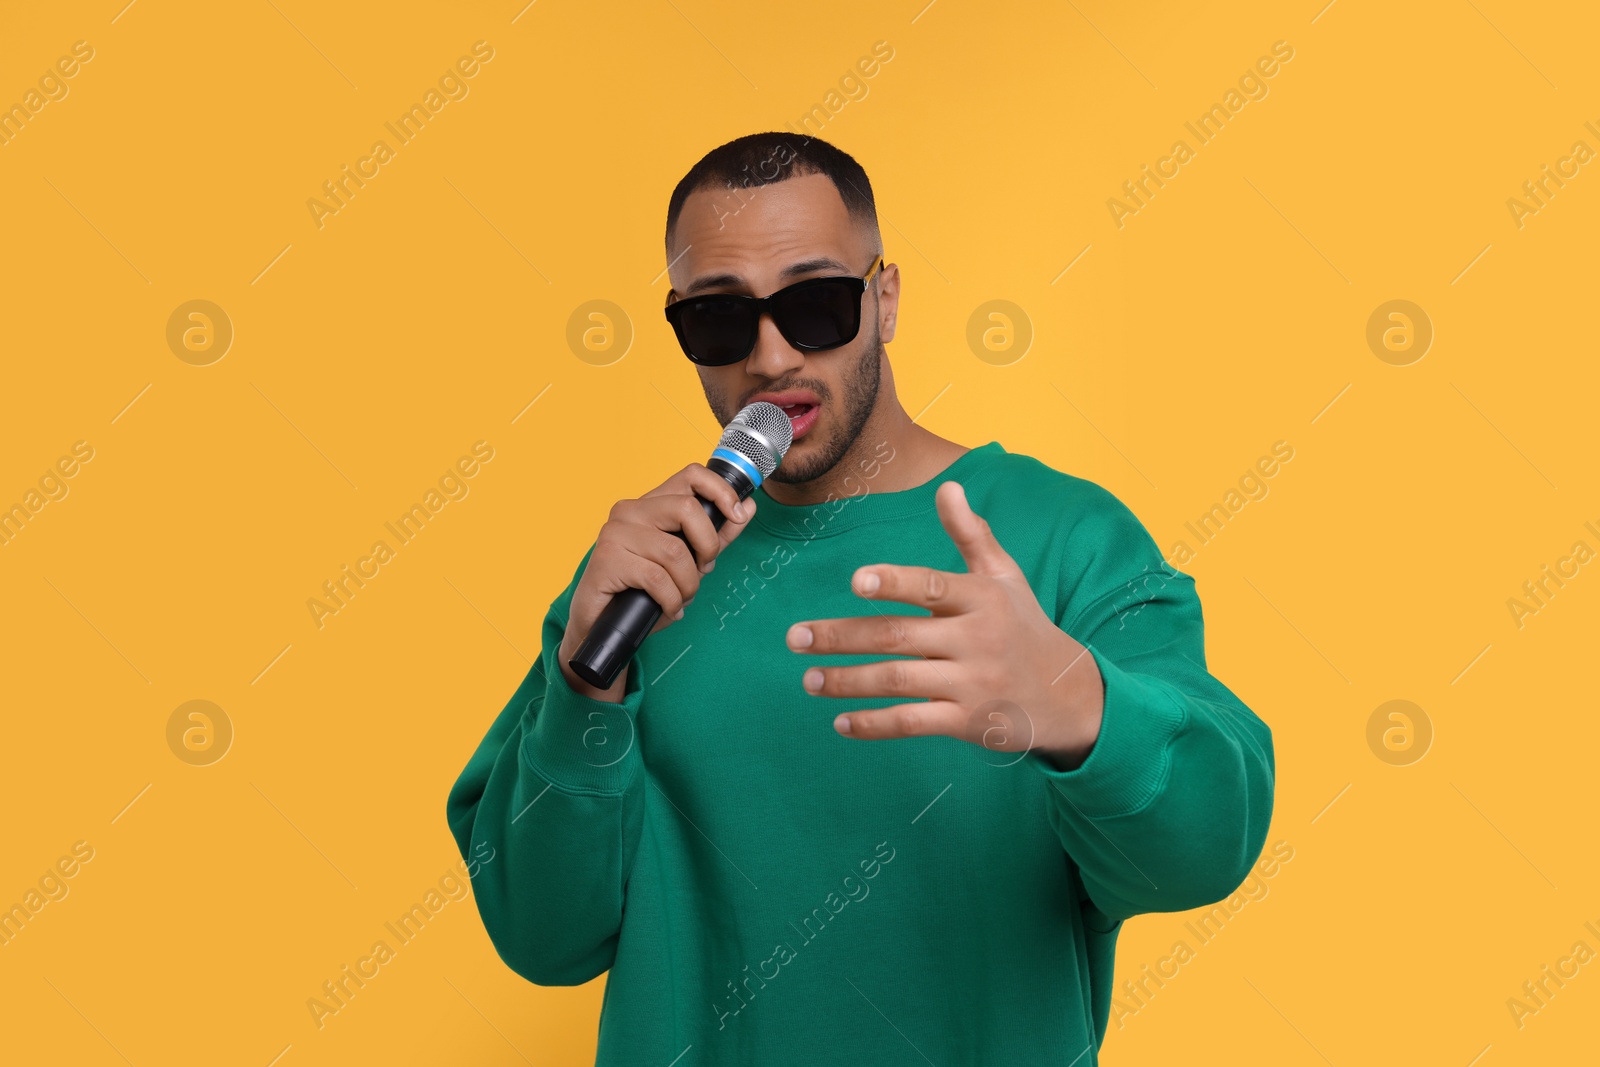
{"type": "Point", "coordinates": [689, 516]}
{"type": "Point", "coordinates": [736, 526]}
{"type": "Point", "coordinates": [671, 554]}
{"type": "Point", "coordinates": [710, 486]}
{"type": "Point", "coordinates": [903, 635]}
{"type": "Point", "coordinates": [662, 543]}
{"type": "Point", "coordinates": [970, 533]}
{"type": "Point", "coordinates": [889, 678]}
{"type": "Point", "coordinates": [659, 556]}
{"type": "Point", "coordinates": [611, 569]}
{"type": "Point", "coordinates": [696, 478]}
{"type": "Point", "coordinates": [903, 678]}
{"type": "Point", "coordinates": [627, 562]}
{"type": "Point", "coordinates": [737, 512]}
{"type": "Point", "coordinates": [686, 514]}
{"type": "Point", "coordinates": [941, 592]}
{"type": "Point", "coordinates": [944, 718]}
{"type": "Point", "coordinates": [650, 550]}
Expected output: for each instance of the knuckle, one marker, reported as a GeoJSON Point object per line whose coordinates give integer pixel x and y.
{"type": "Point", "coordinates": [934, 585]}
{"type": "Point", "coordinates": [897, 677]}
{"type": "Point", "coordinates": [664, 590]}
{"type": "Point", "coordinates": [985, 679]}
{"type": "Point", "coordinates": [674, 550]}
{"type": "Point", "coordinates": [610, 557]}
{"type": "Point", "coordinates": [822, 639]}
{"type": "Point", "coordinates": [908, 720]}
{"type": "Point", "coordinates": [888, 637]}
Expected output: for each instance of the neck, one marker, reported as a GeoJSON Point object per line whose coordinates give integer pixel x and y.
{"type": "Point", "coordinates": [892, 453]}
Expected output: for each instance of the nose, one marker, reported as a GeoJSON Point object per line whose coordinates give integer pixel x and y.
{"type": "Point", "coordinates": [773, 356]}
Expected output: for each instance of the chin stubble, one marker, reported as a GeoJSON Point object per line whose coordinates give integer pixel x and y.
{"type": "Point", "coordinates": [860, 390]}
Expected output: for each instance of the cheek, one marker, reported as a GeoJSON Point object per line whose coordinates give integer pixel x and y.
{"type": "Point", "coordinates": [859, 383]}
{"type": "Point", "coordinates": [719, 385]}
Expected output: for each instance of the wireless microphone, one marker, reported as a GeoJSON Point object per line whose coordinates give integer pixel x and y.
{"type": "Point", "coordinates": [752, 446]}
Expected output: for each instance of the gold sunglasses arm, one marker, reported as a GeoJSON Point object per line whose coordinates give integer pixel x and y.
{"type": "Point", "coordinates": [866, 281]}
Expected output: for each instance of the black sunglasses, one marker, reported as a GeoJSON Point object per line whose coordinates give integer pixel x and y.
{"type": "Point", "coordinates": [817, 314]}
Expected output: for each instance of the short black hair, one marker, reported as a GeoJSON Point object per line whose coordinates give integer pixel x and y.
{"type": "Point", "coordinates": [767, 158]}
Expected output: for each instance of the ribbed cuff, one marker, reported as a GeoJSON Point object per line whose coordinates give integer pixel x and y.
{"type": "Point", "coordinates": [1130, 760]}
{"type": "Point", "coordinates": [579, 744]}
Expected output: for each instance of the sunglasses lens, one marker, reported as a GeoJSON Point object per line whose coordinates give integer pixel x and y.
{"type": "Point", "coordinates": [716, 332]}
{"type": "Point", "coordinates": [825, 315]}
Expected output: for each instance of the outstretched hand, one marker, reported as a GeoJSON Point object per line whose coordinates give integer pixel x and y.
{"type": "Point", "coordinates": [994, 668]}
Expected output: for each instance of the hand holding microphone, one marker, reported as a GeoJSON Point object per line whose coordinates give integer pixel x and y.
{"type": "Point", "coordinates": [652, 552]}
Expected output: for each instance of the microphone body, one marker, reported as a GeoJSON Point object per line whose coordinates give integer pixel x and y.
{"type": "Point", "coordinates": [751, 448]}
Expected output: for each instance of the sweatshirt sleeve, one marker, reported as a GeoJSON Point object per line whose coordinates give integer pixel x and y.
{"type": "Point", "coordinates": [549, 808]}
{"type": "Point", "coordinates": [1170, 809]}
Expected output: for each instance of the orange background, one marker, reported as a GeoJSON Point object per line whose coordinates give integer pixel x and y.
{"type": "Point", "coordinates": [1167, 355]}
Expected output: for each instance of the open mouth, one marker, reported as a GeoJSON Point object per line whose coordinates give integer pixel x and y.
{"type": "Point", "coordinates": [801, 417]}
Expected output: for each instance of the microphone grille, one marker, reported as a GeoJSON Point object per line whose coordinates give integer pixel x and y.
{"type": "Point", "coordinates": [761, 433]}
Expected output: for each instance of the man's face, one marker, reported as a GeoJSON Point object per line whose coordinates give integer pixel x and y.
{"type": "Point", "coordinates": [751, 242]}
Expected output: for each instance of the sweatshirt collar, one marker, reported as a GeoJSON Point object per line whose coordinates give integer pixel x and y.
{"type": "Point", "coordinates": [860, 504]}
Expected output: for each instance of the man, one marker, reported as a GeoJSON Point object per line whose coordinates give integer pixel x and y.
{"type": "Point", "coordinates": [919, 727]}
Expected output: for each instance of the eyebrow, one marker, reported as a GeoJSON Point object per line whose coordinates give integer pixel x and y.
{"type": "Point", "coordinates": [793, 270]}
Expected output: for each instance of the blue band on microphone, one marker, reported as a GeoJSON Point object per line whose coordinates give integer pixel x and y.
{"type": "Point", "coordinates": [739, 461]}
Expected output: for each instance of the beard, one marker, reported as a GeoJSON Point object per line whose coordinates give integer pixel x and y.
{"type": "Point", "coordinates": [859, 382]}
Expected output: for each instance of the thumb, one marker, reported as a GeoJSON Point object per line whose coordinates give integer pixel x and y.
{"type": "Point", "coordinates": [971, 533]}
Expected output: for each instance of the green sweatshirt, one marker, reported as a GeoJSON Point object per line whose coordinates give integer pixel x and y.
{"type": "Point", "coordinates": [765, 891]}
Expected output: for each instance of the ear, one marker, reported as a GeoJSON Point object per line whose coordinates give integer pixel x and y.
{"type": "Point", "coordinates": [888, 280]}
